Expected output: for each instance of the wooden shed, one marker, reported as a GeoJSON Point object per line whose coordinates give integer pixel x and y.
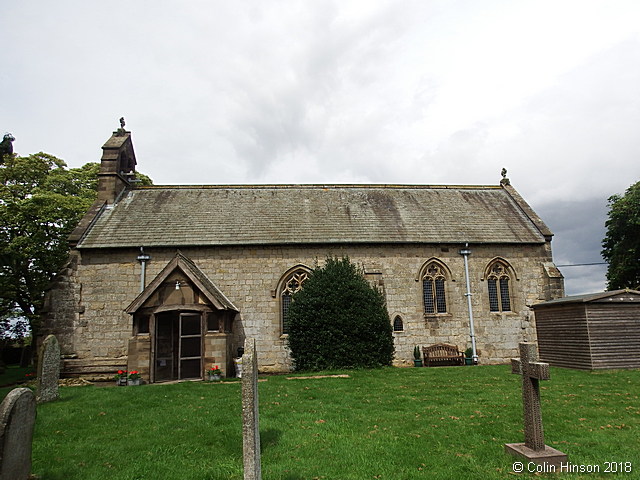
{"type": "Point", "coordinates": [590, 332]}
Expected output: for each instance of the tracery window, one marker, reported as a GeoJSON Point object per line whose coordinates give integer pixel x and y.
{"type": "Point", "coordinates": [292, 284]}
{"type": "Point", "coordinates": [433, 289]}
{"type": "Point", "coordinates": [499, 285]}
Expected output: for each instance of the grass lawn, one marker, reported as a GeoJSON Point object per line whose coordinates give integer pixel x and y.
{"type": "Point", "coordinates": [431, 423]}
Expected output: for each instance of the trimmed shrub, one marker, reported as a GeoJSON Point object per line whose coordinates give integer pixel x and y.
{"type": "Point", "coordinates": [338, 320]}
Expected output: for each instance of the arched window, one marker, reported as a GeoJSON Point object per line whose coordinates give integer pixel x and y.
{"type": "Point", "coordinates": [398, 326]}
{"type": "Point", "coordinates": [499, 286]}
{"type": "Point", "coordinates": [291, 284]}
{"type": "Point", "coordinates": [433, 288]}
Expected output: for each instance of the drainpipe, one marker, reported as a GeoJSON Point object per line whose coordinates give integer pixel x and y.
{"type": "Point", "coordinates": [465, 252]}
{"type": "Point", "coordinates": [143, 258]}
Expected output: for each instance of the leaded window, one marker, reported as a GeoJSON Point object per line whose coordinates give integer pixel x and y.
{"type": "Point", "coordinates": [398, 326]}
{"type": "Point", "coordinates": [433, 289]}
{"type": "Point", "coordinates": [499, 285]}
{"type": "Point", "coordinates": [292, 285]}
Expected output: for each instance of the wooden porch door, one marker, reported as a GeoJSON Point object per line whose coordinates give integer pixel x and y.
{"type": "Point", "coordinates": [190, 346]}
{"type": "Point", "coordinates": [178, 352]}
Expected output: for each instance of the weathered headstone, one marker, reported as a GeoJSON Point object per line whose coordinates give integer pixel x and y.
{"type": "Point", "coordinates": [48, 370]}
{"type": "Point", "coordinates": [250, 417]}
{"type": "Point", "coordinates": [17, 419]}
{"type": "Point", "coordinates": [532, 371]}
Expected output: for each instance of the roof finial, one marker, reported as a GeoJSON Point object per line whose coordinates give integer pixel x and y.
{"type": "Point", "coordinates": [505, 180]}
{"type": "Point", "coordinates": [121, 131]}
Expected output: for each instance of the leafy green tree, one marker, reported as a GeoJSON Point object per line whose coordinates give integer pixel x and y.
{"type": "Point", "coordinates": [338, 320]}
{"type": "Point", "coordinates": [621, 245]}
{"type": "Point", "coordinates": [41, 201]}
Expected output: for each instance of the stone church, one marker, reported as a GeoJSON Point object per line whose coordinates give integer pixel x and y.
{"type": "Point", "coordinates": [169, 280]}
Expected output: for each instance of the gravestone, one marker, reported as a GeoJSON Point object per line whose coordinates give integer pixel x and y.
{"type": "Point", "coordinates": [250, 414]}
{"type": "Point", "coordinates": [48, 370]}
{"type": "Point", "coordinates": [17, 418]}
{"type": "Point", "coordinates": [532, 371]}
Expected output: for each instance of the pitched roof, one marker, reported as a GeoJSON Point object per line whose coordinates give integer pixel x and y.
{"type": "Point", "coordinates": [177, 216]}
{"type": "Point", "coordinates": [191, 270]}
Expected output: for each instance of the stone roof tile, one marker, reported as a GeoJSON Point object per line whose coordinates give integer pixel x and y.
{"type": "Point", "coordinates": [304, 214]}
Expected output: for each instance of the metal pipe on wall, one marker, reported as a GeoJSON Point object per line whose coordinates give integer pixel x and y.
{"type": "Point", "coordinates": [465, 252]}
{"type": "Point", "coordinates": [143, 258]}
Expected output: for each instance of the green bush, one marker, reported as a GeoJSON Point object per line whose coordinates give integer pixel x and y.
{"type": "Point", "coordinates": [338, 320]}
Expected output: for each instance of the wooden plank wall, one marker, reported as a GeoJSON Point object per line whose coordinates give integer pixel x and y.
{"type": "Point", "coordinates": [614, 330]}
{"type": "Point", "coordinates": [563, 336]}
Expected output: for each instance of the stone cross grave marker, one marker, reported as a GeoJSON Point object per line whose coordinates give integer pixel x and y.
{"type": "Point", "coordinates": [532, 371]}
{"type": "Point", "coordinates": [48, 370]}
{"type": "Point", "coordinates": [250, 418]}
{"type": "Point", "coordinates": [17, 419]}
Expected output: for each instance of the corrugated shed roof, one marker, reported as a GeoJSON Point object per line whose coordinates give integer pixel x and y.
{"type": "Point", "coordinates": [304, 214]}
{"type": "Point", "coordinates": [614, 296]}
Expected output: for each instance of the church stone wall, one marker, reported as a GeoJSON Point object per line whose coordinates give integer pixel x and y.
{"type": "Point", "coordinates": [90, 301]}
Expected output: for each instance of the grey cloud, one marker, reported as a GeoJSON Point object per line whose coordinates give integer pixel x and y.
{"type": "Point", "coordinates": [331, 91]}
{"type": "Point", "coordinates": [579, 137]}
{"type": "Point", "coordinates": [578, 228]}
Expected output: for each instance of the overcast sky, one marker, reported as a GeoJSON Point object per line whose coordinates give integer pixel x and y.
{"type": "Point", "coordinates": [427, 92]}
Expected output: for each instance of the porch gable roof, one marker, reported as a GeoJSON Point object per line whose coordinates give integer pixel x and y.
{"type": "Point", "coordinates": [194, 274]}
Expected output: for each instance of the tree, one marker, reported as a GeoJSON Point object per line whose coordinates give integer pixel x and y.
{"type": "Point", "coordinates": [41, 201]}
{"type": "Point", "coordinates": [338, 320]}
{"type": "Point", "coordinates": [621, 245]}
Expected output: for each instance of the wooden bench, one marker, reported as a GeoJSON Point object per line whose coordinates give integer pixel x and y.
{"type": "Point", "coordinates": [442, 354]}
